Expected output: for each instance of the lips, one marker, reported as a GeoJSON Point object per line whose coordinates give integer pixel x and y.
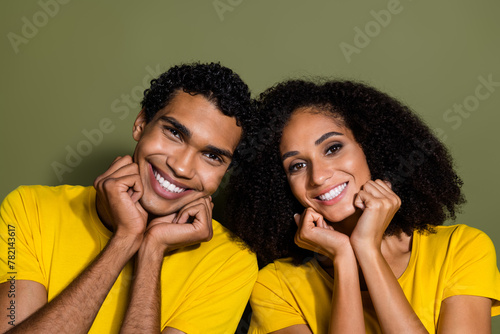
{"type": "Point", "coordinates": [168, 186]}
{"type": "Point", "coordinates": [165, 186]}
{"type": "Point", "coordinates": [332, 193]}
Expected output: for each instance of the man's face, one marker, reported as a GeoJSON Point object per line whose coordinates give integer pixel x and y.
{"type": "Point", "coordinates": [183, 152]}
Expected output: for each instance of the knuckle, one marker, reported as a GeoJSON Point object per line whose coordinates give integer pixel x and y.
{"type": "Point", "coordinates": [107, 184]}
{"type": "Point", "coordinates": [207, 235]}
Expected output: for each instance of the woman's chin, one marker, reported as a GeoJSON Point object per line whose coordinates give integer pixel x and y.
{"type": "Point", "coordinates": [339, 217]}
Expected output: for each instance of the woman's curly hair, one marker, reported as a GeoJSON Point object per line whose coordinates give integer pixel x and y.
{"type": "Point", "coordinates": [218, 84]}
{"type": "Point", "coordinates": [398, 147]}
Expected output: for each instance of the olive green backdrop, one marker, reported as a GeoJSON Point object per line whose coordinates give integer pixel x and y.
{"type": "Point", "coordinates": [72, 74]}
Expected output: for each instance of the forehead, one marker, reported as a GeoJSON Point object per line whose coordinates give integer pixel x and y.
{"type": "Point", "coordinates": [203, 119]}
{"type": "Point", "coordinates": [311, 122]}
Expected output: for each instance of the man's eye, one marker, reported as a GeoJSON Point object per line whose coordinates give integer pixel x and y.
{"type": "Point", "coordinates": [333, 148]}
{"type": "Point", "coordinates": [172, 131]}
{"type": "Point", "coordinates": [296, 167]}
{"type": "Point", "coordinates": [213, 157]}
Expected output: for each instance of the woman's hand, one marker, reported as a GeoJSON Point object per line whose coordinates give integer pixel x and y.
{"type": "Point", "coordinates": [379, 204]}
{"type": "Point", "coordinates": [315, 234]}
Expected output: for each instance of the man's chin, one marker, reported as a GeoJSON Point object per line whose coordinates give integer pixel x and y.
{"type": "Point", "coordinates": [160, 209]}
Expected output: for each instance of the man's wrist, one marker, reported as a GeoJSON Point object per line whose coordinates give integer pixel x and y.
{"type": "Point", "coordinates": [126, 243]}
{"type": "Point", "coordinates": [151, 249]}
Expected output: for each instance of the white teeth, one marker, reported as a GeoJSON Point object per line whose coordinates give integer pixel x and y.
{"type": "Point", "coordinates": [167, 185]}
{"type": "Point", "coordinates": [333, 193]}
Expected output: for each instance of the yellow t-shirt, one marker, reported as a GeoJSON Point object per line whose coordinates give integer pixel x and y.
{"type": "Point", "coordinates": [56, 233]}
{"type": "Point", "coordinates": [456, 260]}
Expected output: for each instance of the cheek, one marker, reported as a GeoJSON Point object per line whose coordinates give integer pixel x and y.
{"type": "Point", "coordinates": [358, 167]}
{"type": "Point", "coordinates": [298, 190]}
{"type": "Point", "coordinates": [150, 143]}
{"type": "Point", "coordinates": [211, 178]}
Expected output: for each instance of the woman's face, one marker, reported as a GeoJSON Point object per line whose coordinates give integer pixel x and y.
{"type": "Point", "coordinates": [324, 164]}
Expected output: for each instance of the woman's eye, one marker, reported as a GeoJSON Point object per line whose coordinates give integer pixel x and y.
{"type": "Point", "coordinates": [296, 167]}
{"type": "Point", "coordinates": [333, 149]}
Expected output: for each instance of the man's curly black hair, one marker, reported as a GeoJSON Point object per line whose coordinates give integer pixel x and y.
{"type": "Point", "coordinates": [398, 147]}
{"type": "Point", "coordinates": [218, 84]}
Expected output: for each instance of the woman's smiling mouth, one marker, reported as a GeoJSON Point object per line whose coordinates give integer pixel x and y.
{"type": "Point", "coordinates": [328, 196]}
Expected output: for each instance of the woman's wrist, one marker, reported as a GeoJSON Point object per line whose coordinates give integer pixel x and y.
{"type": "Point", "coordinates": [342, 254]}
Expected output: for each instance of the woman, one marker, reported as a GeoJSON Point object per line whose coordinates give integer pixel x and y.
{"type": "Point", "coordinates": [343, 196]}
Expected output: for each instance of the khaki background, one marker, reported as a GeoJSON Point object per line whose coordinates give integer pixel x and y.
{"type": "Point", "coordinates": [75, 67]}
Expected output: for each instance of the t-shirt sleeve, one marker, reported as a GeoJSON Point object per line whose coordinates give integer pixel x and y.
{"type": "Point", "coordinates": [272, 307]}
{"type": "Point", "coordinates": [219, 307]}
{"type": "Point", "coordinates": [474, 268]}
{"type": "Point", "coordinates": [18, 235]}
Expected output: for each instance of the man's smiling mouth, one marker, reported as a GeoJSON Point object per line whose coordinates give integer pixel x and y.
{"type": "Point", "coordinates": [167, 185]}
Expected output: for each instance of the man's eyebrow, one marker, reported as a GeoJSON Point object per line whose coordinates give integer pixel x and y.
{"type": "Point", "coordinates": [220, 151]}
{"type": "Point", "coordinates": [185, 131]}
{"type": "Point", "coordinates": [326, 136]}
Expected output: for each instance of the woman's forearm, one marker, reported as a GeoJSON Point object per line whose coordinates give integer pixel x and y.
{"type": "Point", "coordinates": [394, 312]}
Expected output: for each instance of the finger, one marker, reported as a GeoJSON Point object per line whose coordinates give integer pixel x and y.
{"type": "Point", "coordinates": [386, 189]}
{"type": "Point", "coordinates": [115, 165]}
{"type": "Point", "coordinates": [130, 184]}
{"type": "Point", "coordinates": [210, 205]}
{"type": "Point", "coordinates": [384, 186]}
{"type": "Point", "coordinates": [198, 212]}
{"type": "Point", "coordinates": [376, 189]}
{"type": "Point", "coordinates": [199, 201]}
{"type": "Point", "coordinates": [296, 217]}
{"type": "Point", "coordinates": [387, 183]}
{"type": "Point", "coordinates": [201, 223]}
{"type": "Point", "coordinates": [162, 220]}
{"type": "Point", "coordinates": [311, 217]}
{"type": "Point", "coordinates": [359, 201]}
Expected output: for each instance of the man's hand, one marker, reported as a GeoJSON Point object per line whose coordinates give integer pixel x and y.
{"type": "Point", "coordinates": [118, 192]}
{"type": "Point", "coordinates": [191, 225]}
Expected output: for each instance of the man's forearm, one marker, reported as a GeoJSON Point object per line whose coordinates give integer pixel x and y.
{"type": "Point", "coordinates": [143, 313]}
{"type": "Point", "coordinates": [75, 308]}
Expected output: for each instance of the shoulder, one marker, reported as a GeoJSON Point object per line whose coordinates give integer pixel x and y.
{"type": "Point", "coordinates": [227, 250]}
{"type": "Point", "coordinates": [459, 235]}
{"type": "Point", "coordinates": [460, 244]}
{"type": "Point", "coordinates": [46, 192]}
{"type": "Point", "coordinates": [284, 270]}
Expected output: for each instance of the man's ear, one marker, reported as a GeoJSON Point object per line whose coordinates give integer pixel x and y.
{"type": "Point", "coordinates": [139, 125]}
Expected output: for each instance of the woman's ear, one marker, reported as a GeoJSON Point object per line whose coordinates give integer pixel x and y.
{"type": "Point", "coordinates": [139, 125]}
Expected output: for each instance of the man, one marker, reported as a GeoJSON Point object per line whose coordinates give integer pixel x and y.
{"type": "Point", "coordinates": [69, 267]}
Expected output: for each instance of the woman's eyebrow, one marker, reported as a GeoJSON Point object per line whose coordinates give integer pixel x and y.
{"type": "Point", "coordinates": [288, 155]}
{"type": "Point", "coordinates": [317, 142]}
{"type": "Point", "coordinates": [326, 136]}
